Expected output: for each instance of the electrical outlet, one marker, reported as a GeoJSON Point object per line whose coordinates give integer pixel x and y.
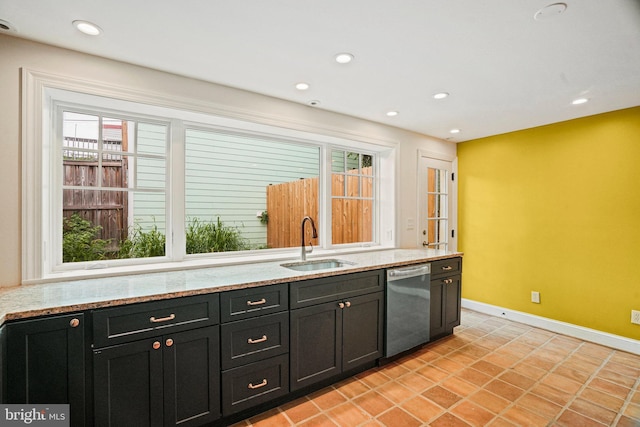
{"type": "Point", "coordinates": [635, 317]}
{"type": "Point", "coordinates": [535, 297]}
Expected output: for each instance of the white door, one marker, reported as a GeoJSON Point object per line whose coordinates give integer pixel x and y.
{"type": "Point", "coordinates": [436, 204]}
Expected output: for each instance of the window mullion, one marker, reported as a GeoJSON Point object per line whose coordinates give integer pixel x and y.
{"type": "Point", "coordinates": [176, 239]}
{"type": "Point", "coordinates": [326, 198]}
{"type": "Point", "coordinates": [100, 152]}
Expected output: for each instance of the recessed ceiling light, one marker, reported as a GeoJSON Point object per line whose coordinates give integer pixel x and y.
{"type": "Point", "coordinates": [454, 131]}
{"type": "Point", "coordinates": [344, 58]}
{"type": "Point", "coordinates": [87, 28]}
{"type": "Point", "coordinates": [6, 26]}
{"type": "Point", "coordinates": [302, 86]}
{"type": "Point", "coordinates": [440, 95]}
{"type": "Point", "coordinates": [550, 11]}
{"type": "Point", "coordinates": [392, 113]}
{"type": "Point", "coordinates": [580, 101]}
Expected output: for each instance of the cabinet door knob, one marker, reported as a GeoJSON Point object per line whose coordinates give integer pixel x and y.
{"type": "Point", "coordinates": [259, 302]}
{"type": "Point", "coordinates": [256, 341]}
{"type": "Point", "coordinates": [156, 345]}
{"type": "Point", "coordinates": [74, 323]}
{"type": "Point", "coordinates": [347, 304]}
{"type": "Point", "coordinates": [253, 387]}
{"type": "Point", "coordinates": [448, 281]}
{"type": "Point", "coordinates": [169, 342]}
{"type": "Point", "coordinates": [341, 305]}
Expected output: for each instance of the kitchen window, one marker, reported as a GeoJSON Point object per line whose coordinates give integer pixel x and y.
{"type": "Point", "coordinates": [247, 192]}
{"type": "Point", "coordinates": [352, 197]}
{"type": "Point", "coordinates": [127, 186]}
{"type": "Point", "coordinates": [113, 187]}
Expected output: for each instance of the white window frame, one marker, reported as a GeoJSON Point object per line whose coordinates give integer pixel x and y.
{"type": "Point", "coordinates": [42, 91]}
{"type": "Point", "coordinates": [53, 235]}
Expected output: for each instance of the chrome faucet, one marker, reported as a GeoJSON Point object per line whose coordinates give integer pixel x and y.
{"type": "Point", "coordinates": [303, 249]}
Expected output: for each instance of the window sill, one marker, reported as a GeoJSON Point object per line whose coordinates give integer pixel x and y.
{"type": "Point", "coordinates": [94, 271]}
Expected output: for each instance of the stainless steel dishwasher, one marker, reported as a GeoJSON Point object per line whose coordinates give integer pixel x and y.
{"type": "Point", "coordinates": [408, 300]}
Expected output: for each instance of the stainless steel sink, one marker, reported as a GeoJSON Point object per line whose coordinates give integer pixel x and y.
{"type": "Point", "coordinates": [318, 264]}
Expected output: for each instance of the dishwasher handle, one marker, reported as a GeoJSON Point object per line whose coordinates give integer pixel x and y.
{"type": "Point", "coordinates": [412, 271]}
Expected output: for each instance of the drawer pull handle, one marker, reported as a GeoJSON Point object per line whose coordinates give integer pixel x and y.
{"type": "Point", "coordinates": [259, 340]}
{"type": "Point", "coordinates": [448, 281]}
{"type": "Point", "coordinates": [262, 384]}
{"type": "Point", "coordinates": [259, 302]}
{"type": "Point", "coordinates": [447, 268]}
{"type": "Point", "coordinates": [152, 319]}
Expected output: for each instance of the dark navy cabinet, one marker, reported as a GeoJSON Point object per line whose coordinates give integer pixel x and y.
{"type": "Point", "coordinates": [211, 359]}
{"type": "Point", "coordinates": [45, 363]}
{"type": "Point", "coordinates": [445, 295]}
{"type": "Point", "coordinates": [163, 368]}
{"type": "Point", "coordinates": [163, 381]}
{"type": "Point", "coordinates": [255, 346]}
{"type": "Point", "coordinates": [336, 326]}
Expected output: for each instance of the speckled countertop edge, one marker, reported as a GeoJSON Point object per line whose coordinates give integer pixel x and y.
{"type": "Point", "coordinates": [27, 301]}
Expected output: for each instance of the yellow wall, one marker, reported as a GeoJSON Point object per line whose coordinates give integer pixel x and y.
{"type": "Point", "coordinates": [556, 209]}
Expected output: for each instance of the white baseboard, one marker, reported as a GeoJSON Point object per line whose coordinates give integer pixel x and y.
{"type": "Point", "coordinates": [592, 335]}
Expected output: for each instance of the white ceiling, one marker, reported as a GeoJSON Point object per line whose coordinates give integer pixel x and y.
{"type": "Point", "coordinates": [504, 70]}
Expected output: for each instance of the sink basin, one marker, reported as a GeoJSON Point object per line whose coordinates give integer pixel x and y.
{"type": "Point", "coordinates": [317, 264]}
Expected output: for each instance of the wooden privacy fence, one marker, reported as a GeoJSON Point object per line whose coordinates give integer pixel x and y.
{"type": "Point", "coordinates": [351, 219]}
{"type": "Point", "coordinates": [107, 209]}
{"type": "Point", "coordinates": [289, 202]}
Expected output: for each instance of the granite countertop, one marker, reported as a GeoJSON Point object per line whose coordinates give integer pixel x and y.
{"type": "Point", "coordinates": [27, 301]}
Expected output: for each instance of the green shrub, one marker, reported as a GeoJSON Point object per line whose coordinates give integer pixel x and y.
{"type": "Point", "coordinates": [79, 242]}
{"type": "Point", "coordinates": [205, 237]}
{"type": "Point", "coordinates": [143, 244]}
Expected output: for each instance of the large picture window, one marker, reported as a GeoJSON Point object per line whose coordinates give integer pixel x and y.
{"type": "Point", "coordinates": [247, 192]}
{"type": "Point", "coordinates": [131, 186]}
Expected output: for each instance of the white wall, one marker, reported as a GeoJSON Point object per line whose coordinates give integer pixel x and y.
{"type": "Point", "coordinates": [17, 53]}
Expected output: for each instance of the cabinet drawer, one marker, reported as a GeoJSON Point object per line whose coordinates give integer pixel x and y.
{"type": "Point", "coordinates": [316, 291]}
{"type": "Point", "coordinates": [254, 384]}
{"type": "Point", "coordinates": [145, 320]}
{"type": "Point", "coordinates": [251, 340]}
{"type": "Point", "coordinates": [246, 303]}
{"type": "Point", "coordinates": [446, 267]}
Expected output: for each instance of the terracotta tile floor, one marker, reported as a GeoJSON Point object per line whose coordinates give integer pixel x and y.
{"type": "Point", "coordinates": [491, 372]}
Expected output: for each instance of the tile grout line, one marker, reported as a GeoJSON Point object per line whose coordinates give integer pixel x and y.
{"type": "Point", "coordinates": [627, 401]}
{"type": "Point", "coordinates": [583, 386]}
{"type": "Point", "coordinates": [491, 351]}
{"type": "Point", "coordinates": [457, 342]}
{"type": "Point", "coordinates": [520, 360]}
